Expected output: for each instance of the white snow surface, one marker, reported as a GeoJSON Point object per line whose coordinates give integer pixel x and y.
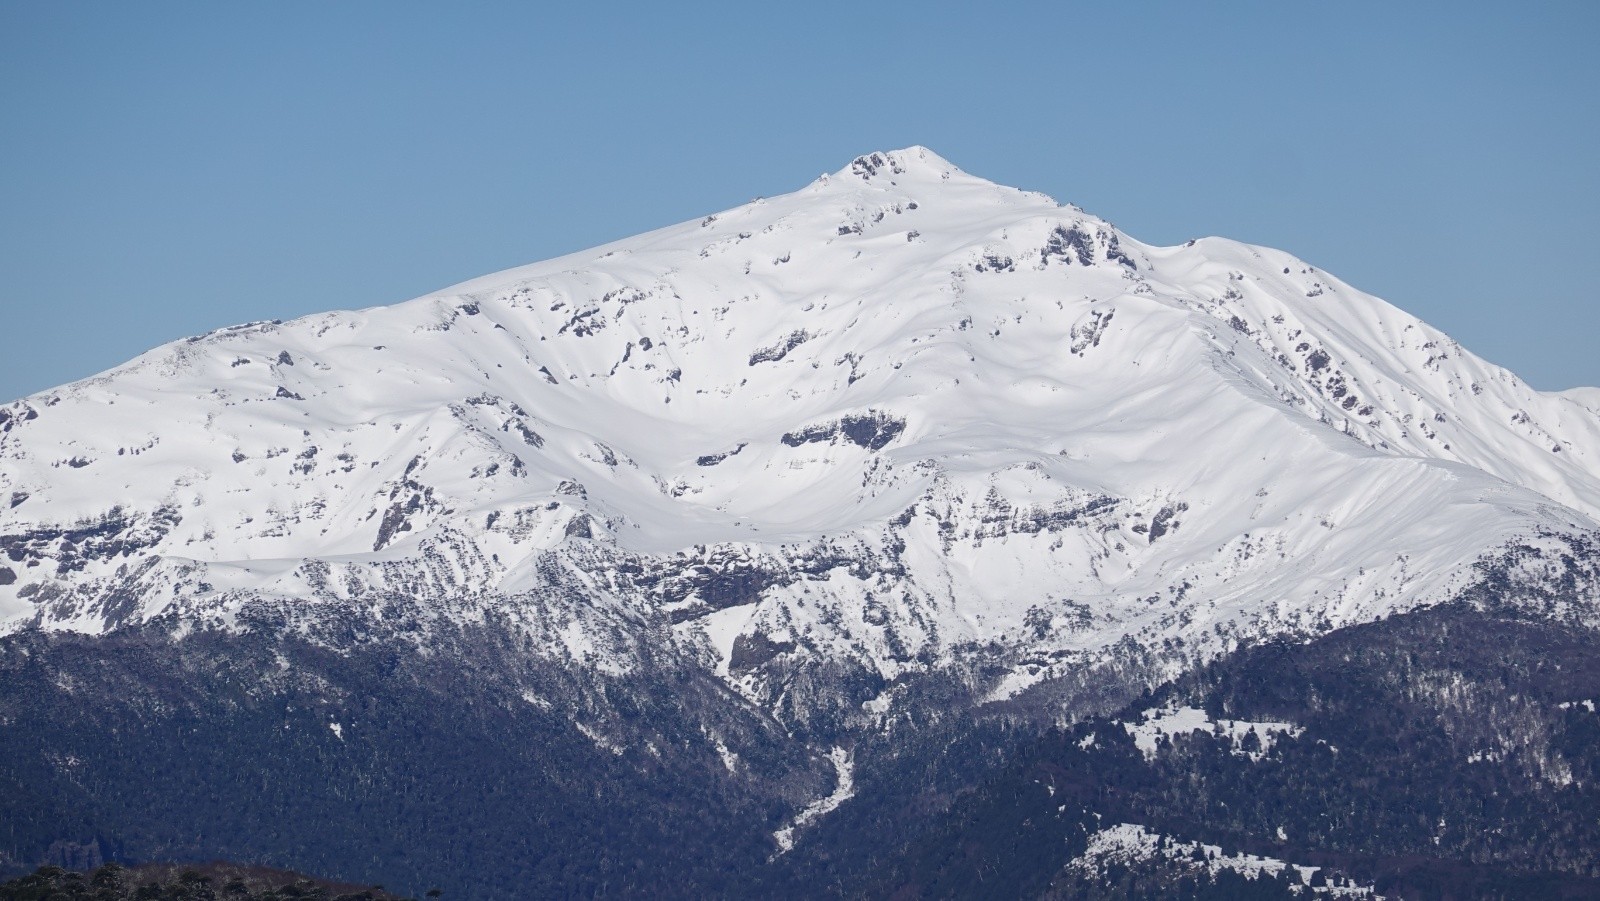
{"type": "Point", "coordinates": [844, 789]}
{"type": "Point", "coordinates": [1170, 721]}
{"type": "Point", "coordinates": [1126, 843]}
{"type": "Point", "coordinates": [944, 411]}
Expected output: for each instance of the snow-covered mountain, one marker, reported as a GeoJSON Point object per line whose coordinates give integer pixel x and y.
{"type": "Point", "coordinates": [762, 555]}
{"type": "Point", "coordinates": [898, 417]}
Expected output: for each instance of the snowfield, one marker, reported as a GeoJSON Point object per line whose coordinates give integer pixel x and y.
{"type": "Point", "coordinates": [1126, 843]}
{"type": "Point", "coordinates": [1157, 724]}
{"type": "Point", "coordinates": [897, 415]}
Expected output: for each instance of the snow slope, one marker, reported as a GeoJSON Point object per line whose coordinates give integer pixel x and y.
{"type": "Point", "coordinates": [900, 412]}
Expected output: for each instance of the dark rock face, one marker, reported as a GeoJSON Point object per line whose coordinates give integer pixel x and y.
{"type": "Point", "coordinates": [1077, 244]}
{"type": "Point", "coordinates": [395, 520]}
{"type": "Point", "coordinates": [868, 166]}
{"type": "Point", "coordinates": [714, 459]}
{"type": "Point", "coordinates": [780, 350]}
{"type": "Point", "coordinates": [116, 534]}
{"type": "Point", "coordinates": [1165, 520]}
{"type": "Point", "coordinates": [751, 651]}
{"type": "Point", "coordinates": [873, 430]}
{"type": "Point", "coordinates": [580, 526]}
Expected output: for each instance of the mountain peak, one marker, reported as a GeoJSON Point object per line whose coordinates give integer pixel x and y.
{"type": "Point", "coordinates": [915, 161]}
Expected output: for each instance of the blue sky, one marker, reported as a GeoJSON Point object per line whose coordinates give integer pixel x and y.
{"type": "Point", "coordinates": [168, 168]}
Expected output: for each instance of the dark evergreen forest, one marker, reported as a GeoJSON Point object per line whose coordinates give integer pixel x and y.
{"type": "Point", "coordinates": [1442, 753]}
{"type": "Point", "coordinates": [204, 882]}
{"type": "Point", "coordinates": [1437, 760]}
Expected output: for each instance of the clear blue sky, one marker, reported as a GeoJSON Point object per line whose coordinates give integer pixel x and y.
{"type": "Point", "coordinates": [168, 168]}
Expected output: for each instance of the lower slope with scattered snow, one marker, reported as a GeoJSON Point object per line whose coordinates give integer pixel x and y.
{"type": "Point", "coordinates": [1446, 752]}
